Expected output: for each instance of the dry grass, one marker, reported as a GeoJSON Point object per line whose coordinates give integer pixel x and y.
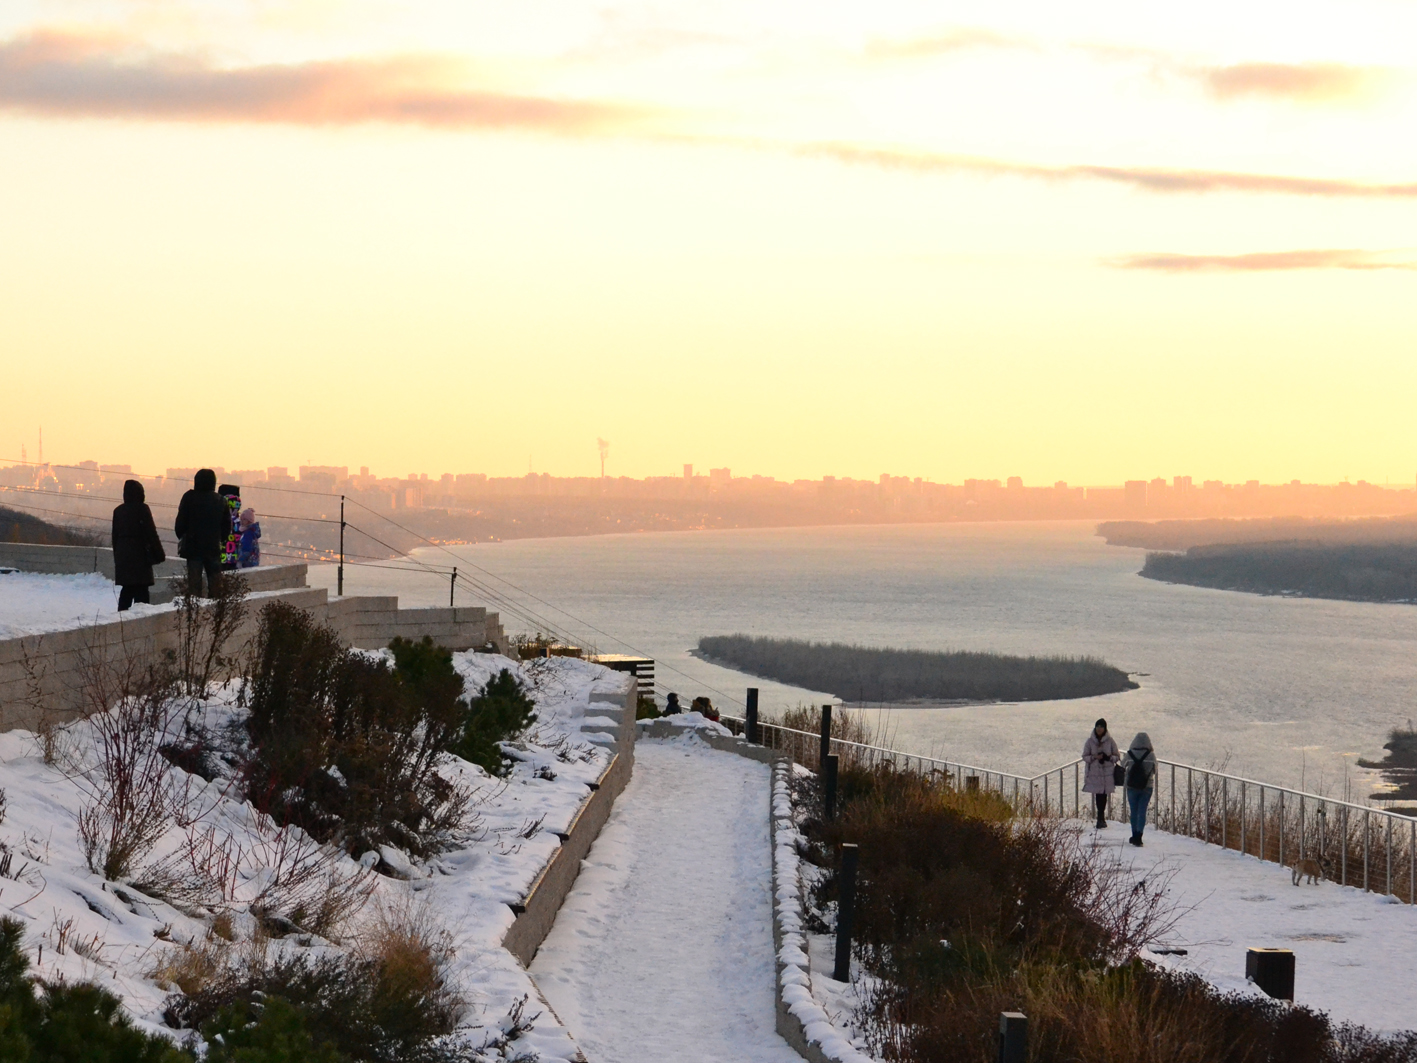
{"type": "Point", "coordinates": [847, 726]}
{"type": "Point", "coordinates": [193, 966]}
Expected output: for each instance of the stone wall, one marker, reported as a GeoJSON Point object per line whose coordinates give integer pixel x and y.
{"type": "Point", "coordinates": [42, 677]}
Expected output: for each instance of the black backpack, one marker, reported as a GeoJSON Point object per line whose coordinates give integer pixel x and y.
{"type": "Point", "coordinates": [1136, 774]}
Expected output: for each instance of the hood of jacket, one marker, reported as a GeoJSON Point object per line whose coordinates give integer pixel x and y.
{"type": "Point", "coordinates": [1141, 743]}
{"type": "Point", "coordinates": [205, 480]}
{"type": "Point", "coordinates": [133, 492]}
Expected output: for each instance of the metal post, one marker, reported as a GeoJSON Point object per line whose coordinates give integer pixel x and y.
{"type": "Point", "coordinates": [1367, 833]}
{"type": "Point", "coordinates": [750, 719]}
{"type": "Point", "coordinates": [1261, 822]}
{"type": "Point", "coordinates": [339, 576]}
{"type": "Point", "coordinates": [1281, 826]}
{"type": "Point", "coordinates": [1243, 840]}
{"type": "Point", "coordinates": [1387, 845]}
{"type": "Point", "coordinates": [826, 735]}
{"type": "Point", "coordinates": [1013, 1037]}
{"type": "Point", "coordinates": [845, 912]}
{"type": "Point", "coordinates": [1344, 844]}
{"type": "Point", "coordinates": [452, 586]}
{"type": "Point", "coordinates": [1077, 810]}
{"type": "Point", "coordinates": [1173, 797]}
{"type": "Point", "coordinates": [1412, 868]}
{"type": "Point", "coordinates": [1206, 780]}
{"type": "Point", "coordinates": [1224, 812]}
{"type": "Point", "coordinates": [829, 787]}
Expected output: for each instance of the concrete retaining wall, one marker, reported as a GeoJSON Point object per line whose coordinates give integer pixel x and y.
{"type": "Point", "coordinates": [42, 677]}
{"type": "Point", "coordinates": [537, 911]}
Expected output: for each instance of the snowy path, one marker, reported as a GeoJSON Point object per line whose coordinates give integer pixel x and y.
{"type": "Point", "coordinates": [663, 952]}
{"type": "Point", "coordinates": [1353, 951]}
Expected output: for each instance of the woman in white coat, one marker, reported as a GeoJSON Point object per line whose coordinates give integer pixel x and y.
{"type": "Point", "coordinates": [1099, 754]}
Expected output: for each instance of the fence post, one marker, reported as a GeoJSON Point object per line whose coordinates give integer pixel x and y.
{"type": "Point", "coordinates": [845, 912]}
{"type": "Point", "coordinates": [1013, 1037]}
{"type": "Point", "coordinates": [826, 735]}
{"type": "Point", "coordinates": [750, 716]}
{"type": "Point", "coordinates": [1367, 833]}
{"type": "Point", "coordinates": [829, 771]}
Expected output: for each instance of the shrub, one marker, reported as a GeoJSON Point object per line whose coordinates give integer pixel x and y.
{"type": "Point", "coordinates": [501, 711]}
{"type": "Point", "coordinates": [384, 1006]}
{"type": "Point", "coordinates": [965, 910]}
{"type": "Point", "coordinates": [277, 1035]}
{"type": "Point", "coordinates": [66, 1023]}
{"type": "Point", "coordinates": [345, 746]}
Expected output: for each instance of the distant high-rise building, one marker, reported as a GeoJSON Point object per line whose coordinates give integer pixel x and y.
{"type": "Point", "coordinates": [1015, 483]}
{"type": "Point", "coordinates": [688, 472]}
{"type": "Point", "coordinates": [720, 477]}
{"type": "Point", "coordinates": [1134, 494]}
{"type": "Point", "coordinates": [1181, 483]}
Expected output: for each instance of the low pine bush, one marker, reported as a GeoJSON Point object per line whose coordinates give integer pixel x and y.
{"type": "Point", "coordinates": [66, 1023]}
{"type": "Point", "coordinates": [500, 711]}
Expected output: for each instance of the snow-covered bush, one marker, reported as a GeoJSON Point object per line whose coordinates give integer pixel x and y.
{"type": "Point", "coordinates": [346, 746]}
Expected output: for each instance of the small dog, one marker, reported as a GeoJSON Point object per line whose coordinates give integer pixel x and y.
{"type": "Point", "coordinates": [1310, 869]}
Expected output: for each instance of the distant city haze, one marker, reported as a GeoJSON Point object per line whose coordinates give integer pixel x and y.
{"type": "Point", "coordinates": [300, 505]}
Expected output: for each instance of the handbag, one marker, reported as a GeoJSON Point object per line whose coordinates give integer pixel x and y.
{"type": "Point", "coordinates": [1119, 775]}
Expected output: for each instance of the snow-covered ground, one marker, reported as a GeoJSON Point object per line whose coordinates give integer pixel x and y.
{"type": "Point", "coordinates": [1355, 953]}
{"type": "Point", "coordinates": [663, 953]}
{"type": "Point", "coordinates": [32, 603]}
{"type": "Point", "coordinates": [80, 927]}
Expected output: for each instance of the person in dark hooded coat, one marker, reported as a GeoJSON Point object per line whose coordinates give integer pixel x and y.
{"type": "Point", "coordinates": [203, 525]}
{"type": "Point", "coordinates": [136, 547]}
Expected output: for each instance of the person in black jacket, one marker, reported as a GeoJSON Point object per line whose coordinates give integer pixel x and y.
{"type": "Point", "coordinates": [136, 547]}
{"type": "Point", "coordinates": [203, 524]}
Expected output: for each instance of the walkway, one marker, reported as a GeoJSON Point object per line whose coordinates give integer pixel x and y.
{"type": "Point", "coordinates": [663, 952]}
{"type": "Point", "coordinates": [1353, 951]}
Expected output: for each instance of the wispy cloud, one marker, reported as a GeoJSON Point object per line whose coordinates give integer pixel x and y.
{"type": "Point", "coordinates": [77, 76]}
{"type": "Point", "coordinates": [944, 42]}
{"type": "Point", "coordinates": [1151, 179]}
{"type": "Point", "coordinates": [1264, 261]}
{"type": "Point", "coordinates": [1297, 82]}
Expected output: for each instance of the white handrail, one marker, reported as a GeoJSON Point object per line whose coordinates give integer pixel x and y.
{"type": "Point", "coordinates": [1231, 799]}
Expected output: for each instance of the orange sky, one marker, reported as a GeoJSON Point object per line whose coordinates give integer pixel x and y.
{"type": "Point", "coordinates": [930, 239]}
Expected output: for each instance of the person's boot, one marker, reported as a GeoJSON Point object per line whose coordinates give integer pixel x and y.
{"type": "Point", "coordinates": [1135, 840]}
{"type": "Point", "coordinates": [1101, 823]}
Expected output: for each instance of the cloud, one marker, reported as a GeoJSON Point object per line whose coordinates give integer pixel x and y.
{"type": "Point", "coordinates": [1263, 261]}
{"type": "Point", "coordinates": [1302, 83]}
{"type": "Point", "coordinates": [1151, 179]}
{"type": "Point", "coordinates": [83, 76]}
{"type": "Point", "coordinates": [957, 39]}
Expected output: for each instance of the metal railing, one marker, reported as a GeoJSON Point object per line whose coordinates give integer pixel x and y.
{"type": "Point", "coordinates": [1352, 844]}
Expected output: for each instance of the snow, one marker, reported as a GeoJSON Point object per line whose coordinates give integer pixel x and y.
{"type": "Point", "coordinates": [1353, 950]}
{"type": "Point", "coordinates": [79, 927]}
{"type": "Point", "coordinates": [663, 952]}
{"type": "Point", "coordinates": [32, 604]}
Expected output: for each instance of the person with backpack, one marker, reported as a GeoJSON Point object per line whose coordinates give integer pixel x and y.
{"type": "Point", "coordinates": [1139, 766]}
{"type": "Point", "coordinates": [203, 526]}
{"type": "Point", "coordinates": [136, 547]}
{"type": "Point", "coordinates": [1099, 754]}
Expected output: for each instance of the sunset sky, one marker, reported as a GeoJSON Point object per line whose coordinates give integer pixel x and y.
{"type": "Point", "coordinates": [1081, 242]}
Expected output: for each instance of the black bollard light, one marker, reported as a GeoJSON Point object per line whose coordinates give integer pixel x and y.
{"type": "Point", "coordinates": [826, 735]}
{"type": "Point", "coordinates": [750, 722]}
{"type": "Point", "coordinates": [1013, 1037]}
{"type": "Point", "coordinates": [829, 787]}
{"type": "Point", "coordinates": [1272, 970]}
{"type": "Point", "coordinates": [845, 912]}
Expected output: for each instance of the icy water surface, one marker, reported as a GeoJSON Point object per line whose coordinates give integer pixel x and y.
{"type": "Point", "coordinates": [1289, 690]}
